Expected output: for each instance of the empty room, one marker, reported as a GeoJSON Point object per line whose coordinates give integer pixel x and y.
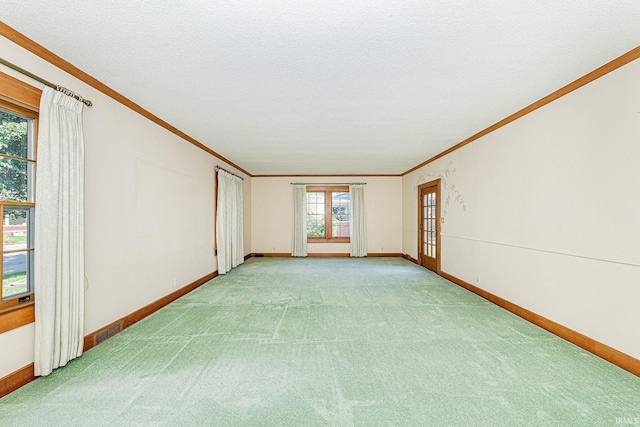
{"type": "Point", "coordinates": [320, 213]}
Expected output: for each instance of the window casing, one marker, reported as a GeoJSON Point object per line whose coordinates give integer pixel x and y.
{"type": "Point", "coordinates": [328, 214]}
{"type": "Point", "coordinates": [17, 205]}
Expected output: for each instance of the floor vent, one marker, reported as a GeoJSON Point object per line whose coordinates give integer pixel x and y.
{"type": "Point", "coordinates": [107, 333]}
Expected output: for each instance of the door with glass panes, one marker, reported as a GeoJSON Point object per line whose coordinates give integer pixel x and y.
{"type": "Point", "coordinates": [428, 225]}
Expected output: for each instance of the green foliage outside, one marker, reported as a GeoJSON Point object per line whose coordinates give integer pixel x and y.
{"type": "Point", "coordinates": [340, 214]}
{"type": "Point", "coordinates": [315, 213]}
{"type": "Point", "coordinates": [315, 226]}
{"type": "Point", "coordinates": [13, 172]}
{"type": "Point", "coordinates": [13, 240]}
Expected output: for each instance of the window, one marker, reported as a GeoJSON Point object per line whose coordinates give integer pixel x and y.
{"type": "Point", "coordinates": [17, 176]}
{"type": "Point", "coordinates": [328, 214]}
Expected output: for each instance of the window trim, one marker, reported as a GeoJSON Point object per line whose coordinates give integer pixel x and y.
{"type": "Point", "coordinates": [21, 98]}
{"type": "Point", "coordinates": [328, 189]}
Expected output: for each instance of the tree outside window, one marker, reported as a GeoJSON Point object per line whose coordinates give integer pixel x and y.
{"type": "Point", "coordinates": [17, 166]}
{"type": "Point", "coordinates": [330, 203]}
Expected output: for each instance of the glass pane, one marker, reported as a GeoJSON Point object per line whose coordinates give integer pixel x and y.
{"type": "Point", "coordinates": [14, 139]}
{"type": "Point", "coordinates": [315, 225]}
{"type": "Point", "coordinates": [13, 180]}
{"type": "Point", "coordinates": [340, 229]}
{"type": "Point", "coordinates": [311, 197]}
{"type": "Point", "coordinates": [340, 204]}
{"type": "Point", "coordinates": [315, 214]}
{"type": "Point", "coordinates": [315, 203]}
{"type": "Point", "coordinates": [14, 229]}
{"type": "Point", "coordinates": [14, 274]}
{"type": "Point", "coordinates": [340, 213]}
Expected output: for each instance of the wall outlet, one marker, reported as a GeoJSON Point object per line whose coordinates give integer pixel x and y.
{"type": "Point", "coordinates": [175, 282]}
{"type": "Point", "coordinates": [477, 279]}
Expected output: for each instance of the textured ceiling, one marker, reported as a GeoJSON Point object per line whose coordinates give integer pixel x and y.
{"type": "Point", "coordinates": [331, 87]}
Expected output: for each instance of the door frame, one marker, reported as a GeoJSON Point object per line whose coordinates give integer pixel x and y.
{"type": "Point", "coordinates": [433, 183]}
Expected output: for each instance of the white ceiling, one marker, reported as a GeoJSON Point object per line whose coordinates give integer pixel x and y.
{"type": "Point", "coordinates": [334, 86]}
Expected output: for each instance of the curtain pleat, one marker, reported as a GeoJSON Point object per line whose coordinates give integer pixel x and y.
{"type": "Point", "coordinates": [238, 229]}
{"type": "Point", "coordinates": [299, 221]}
{"type": "Point", "coordinates": [59, 233]}
{"type": "Point", "coordinates": [358, 230]}
{"type": "Point", "coordinates": [229, 222]}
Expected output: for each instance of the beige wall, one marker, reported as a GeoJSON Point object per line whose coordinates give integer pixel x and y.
{"type": "Point", "coordinates": [545, 212]}
{"type": "Point", "coordinates": [148, 210]}
{"type": "Point", "coordinates": [272, 214]}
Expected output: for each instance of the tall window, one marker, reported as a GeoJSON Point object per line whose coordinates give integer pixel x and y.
{"type": "Point", "coordinates": [17, 169]}
{"type": "Point", "coordinates": [328, 214]}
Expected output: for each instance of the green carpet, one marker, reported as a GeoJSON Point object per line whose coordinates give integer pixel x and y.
{"type": "Point", "coordinates": [303, 342]}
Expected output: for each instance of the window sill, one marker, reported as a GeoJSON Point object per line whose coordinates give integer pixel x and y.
{"type": "Point", "coordinates": [334, 240]}
{"type": "Point", "coordinates": [16, 316]}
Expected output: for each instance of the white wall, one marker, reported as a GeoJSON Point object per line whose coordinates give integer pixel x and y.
{"type": "Point", "coordinates": [148, 206]}
{"type": "Point", "coordinates": [272, 214]}
{"type": "Point", "coordinates": [547, 213]}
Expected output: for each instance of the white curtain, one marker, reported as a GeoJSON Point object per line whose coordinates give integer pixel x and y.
{"type": "Point", "coordinates": [299, 220]}
{"type": "Point", "coordinates": [59, 233]}
{"type": "Point", "coordinates": [358, 230]}
{"type": "Point", "coordinates": [229, 222]}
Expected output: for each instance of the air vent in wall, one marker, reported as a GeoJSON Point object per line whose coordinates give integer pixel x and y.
{"type": "Point", "coordinates": [115, 329]}
{"type": "Point", "coordinates": [107, 332]}
{"type": "Point", "coordinates": [100, 336]}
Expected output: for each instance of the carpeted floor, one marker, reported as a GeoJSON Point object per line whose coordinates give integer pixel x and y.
{"type": "Point", "coordinates": [303, 342]}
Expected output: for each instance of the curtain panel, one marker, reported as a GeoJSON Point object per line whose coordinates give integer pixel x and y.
{"type": "Point", "coordinates": [229, 222]}
{"type": "Point", "coordinates": [358, 230]}
{"type": "Point", "coordinates": [59, 233]}
{"type": "Point", "coordinates": [299, 221]}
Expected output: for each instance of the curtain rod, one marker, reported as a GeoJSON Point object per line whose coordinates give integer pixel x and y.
{"type": "Point", "coordinates": [223, 169]}
{"type": "Point", "coordinates": [328, 183]}
{"type": "Point", "coordinates": [46, 82]}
